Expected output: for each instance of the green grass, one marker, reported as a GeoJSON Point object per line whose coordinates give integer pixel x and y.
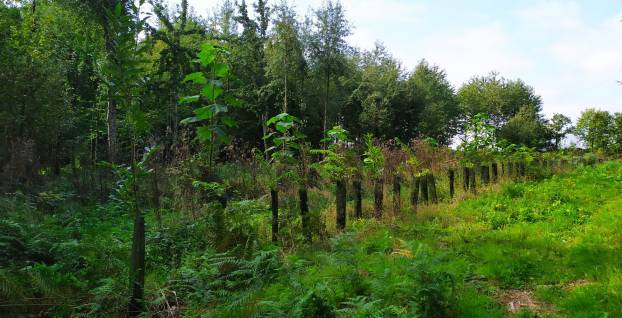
{"type": "Point", "coordinates": [554, 243]}
{"type": "Point", "coordinates": [558, 240]}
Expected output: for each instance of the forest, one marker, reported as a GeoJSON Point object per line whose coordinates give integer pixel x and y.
{"type": "Point", "coordinates": [155, 162]}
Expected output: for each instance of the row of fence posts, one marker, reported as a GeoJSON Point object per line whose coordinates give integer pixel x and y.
{"type": "Point", "coordinates": [423, 191]}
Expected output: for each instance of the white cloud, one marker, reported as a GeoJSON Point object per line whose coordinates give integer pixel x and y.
{"type": "Point", "coordinates": [476, 51]}
{"type": "Point", "coordinates": [551, 14]}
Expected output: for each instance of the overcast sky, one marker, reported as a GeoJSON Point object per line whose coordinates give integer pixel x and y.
{"type": "Point", "coordinates": [569, 51]}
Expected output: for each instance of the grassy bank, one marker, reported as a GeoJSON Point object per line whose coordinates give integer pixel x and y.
{"type": "Point", "coordinates": [549, 248]}
{"type": "Point", "coordinates": [546, 248]}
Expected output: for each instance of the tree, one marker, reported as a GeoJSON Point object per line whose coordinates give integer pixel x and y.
{"type": "Point", "coordinates": [284, 55]}
{"type": "Point", "coordinates": [559, 126]}
{"type": "Point", "coordinates": [248, 67]}
{"type": "Point", "coordinates": [327, 48]}
{"type": "Point", "coordinates": [106, 12]}
{"type": "Point", "coordinates": [432, 105]}
{"type": "Point", "coordinates": [334, 166]}
{"type": "Point", "coordinates": [594, 127]}
{"type": "Point", "coordinates": [214, 116]}
{"type": "Point", "coordinates": [376, 94]}
{"type": "Point", "coordinates": [617, 132]}
{"type": "Point", "coordinates": [373, 159]}
{"type": "Point", "coordinates": [527, 127]}
{"type": "Point", "coordinates": [174, 58]}
{"type": "Point", "coordinates": [496, 96]}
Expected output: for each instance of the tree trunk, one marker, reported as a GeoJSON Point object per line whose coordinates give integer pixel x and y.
{"type": "Point", "coordinates": [274, 196]}
{"type": "Point", "coordinates": [432, 186]}
{"type": "Point", "coordinates": [378, 198]}
{"type": "Point", "coordinates": [465, 178]}
{"type": "Point", "coordinates": [414, 193]}
{"type": "Point", "coordinates": [137, 266]}
{"type": "Point", "coordinates": [358, 197]}
{"type": "Point", "coordinates": [472, 182]}
{"type": "Point", "coordinates": [424, 188]}
{"type": "Point", "coordinates": [111, 120]}
{"type": "Point", "coordinates": [495, 172]}
{"type": "Point", "coordinates": [397, 195]}
{"type": "Point", "coordinates": [304, 214]}
{"type": "Point", "coordinates": [156, 196]}
{"type": "Point", "coordinates": [484, 173]}
{"type": "Point", "coordinates": [325, 120]}
{"type": "Point", "coordinates": [452, 177]}
{"type": "Point", "coordinates": [522, 169]}
{"type": "Point", "coordinates": [340, 191]}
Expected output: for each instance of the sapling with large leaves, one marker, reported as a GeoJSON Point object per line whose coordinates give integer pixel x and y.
{"type": "Point", "coordinates": [213, 100]}
{"type": "Point", "coordinates": [286, 143]}
{"type": "Point", "coordinates": [477, 147]}
{"type": "Point", "coordinates": [335, 167]}
{"type": "Point", "coordinates": [373, 159]}
{"type": "Point", "coordinates": [211, 114]}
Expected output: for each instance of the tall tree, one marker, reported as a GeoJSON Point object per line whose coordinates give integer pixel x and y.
{"type": "Point", "coordinates": [431, 105]}
{"type": "Point", "coordinates": [559, 126]}
{"type": "Point", "coordinates": [327, 49]}
{"type": "Point", "coordinates": [376, 94]}
{"type": "Point", "coordinates": [174, 58]}
{"type": "Point", "coordinates": [284, 55]}
{"type": "Point", "coordinates": [594, 127]}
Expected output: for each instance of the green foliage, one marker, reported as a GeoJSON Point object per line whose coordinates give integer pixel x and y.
{"type": "Point", "coordinates": [595, 128]}
{"type": "Point", "coordinates": [373, 158]}
{"type": "Point", "coordinates": [211, 80]}
{"type": "Point", "coordinates": [479, 143]}
{"type": "Point", "coordinates": [334, 163]}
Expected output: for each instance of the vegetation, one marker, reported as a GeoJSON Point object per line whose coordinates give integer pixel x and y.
{"type": "Point", "coordinates": [158, 163]}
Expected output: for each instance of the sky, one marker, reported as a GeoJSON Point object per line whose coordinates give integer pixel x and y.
{"type": "Point", "coordinates": [569, 51]}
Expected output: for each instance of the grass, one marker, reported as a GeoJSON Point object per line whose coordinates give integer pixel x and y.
{"type": "Point", "coordinates": [549, 248]}
{"type": "Point", "coordinates": [546, 249]}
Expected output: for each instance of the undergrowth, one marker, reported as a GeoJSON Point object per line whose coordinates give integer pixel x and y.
{"type": "Point", "coordinates": [557, 239]}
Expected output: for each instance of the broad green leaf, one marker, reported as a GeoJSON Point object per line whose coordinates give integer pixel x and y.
{"type": "Point", "coordinates": [211, 92]}
{"type": "Point", "coordinates": [229, 122]}
{"type": "Point", "coordinates": [204, 113]}
{"type": "Point", "coordinates": [230, 100]}
{"type": "Point", "coordinates": [196, 77]}
{"type": "Point", "coordinates": [283, 126]}
{"type": "Point", "coordinates": [190, 120]}
{"type": "Point", "coordinates": [117, 9]}
{"type": "Point", "coordinates": [207, 55]}
{"type": "Point", "coordinates": [189, 99]}
{"type": "Point", "coordinates": [221, 70]}
{"type": "Point", "coordinates": [204, 134]}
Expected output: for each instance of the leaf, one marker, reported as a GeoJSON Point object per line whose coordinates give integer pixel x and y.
{"type": "Point", "coordinates": [283, 126]}
{"type": "Point", "coordinates": [196, 77]}
{"type": "Point", "coordinates": [189, 99]}
{"type": "Point", "coordinates": [190, 120]}
{"type": "Point", "coordinates": [221, 136]}
{"type": "Point", "coordinates": [277, 118]}
{"type": "Point", "coordinates": [204, 134]}
{"type": "Point", "coordinates": [221, 70]}
{"type": "Point", "coordinates": [229, 122]}
{"type": "Point", "coordinates": [117, 9]}
{"type": "Point", "coordinates": [207, 55]}
{"type": "Point", "coordinates": [204, 113]}
{"type": "Point", "coordinates": [268, 136]}
{"type": "Point", "coordinates": [211, 91]}
{"type": "Point", "coordinates": [230, 100]}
